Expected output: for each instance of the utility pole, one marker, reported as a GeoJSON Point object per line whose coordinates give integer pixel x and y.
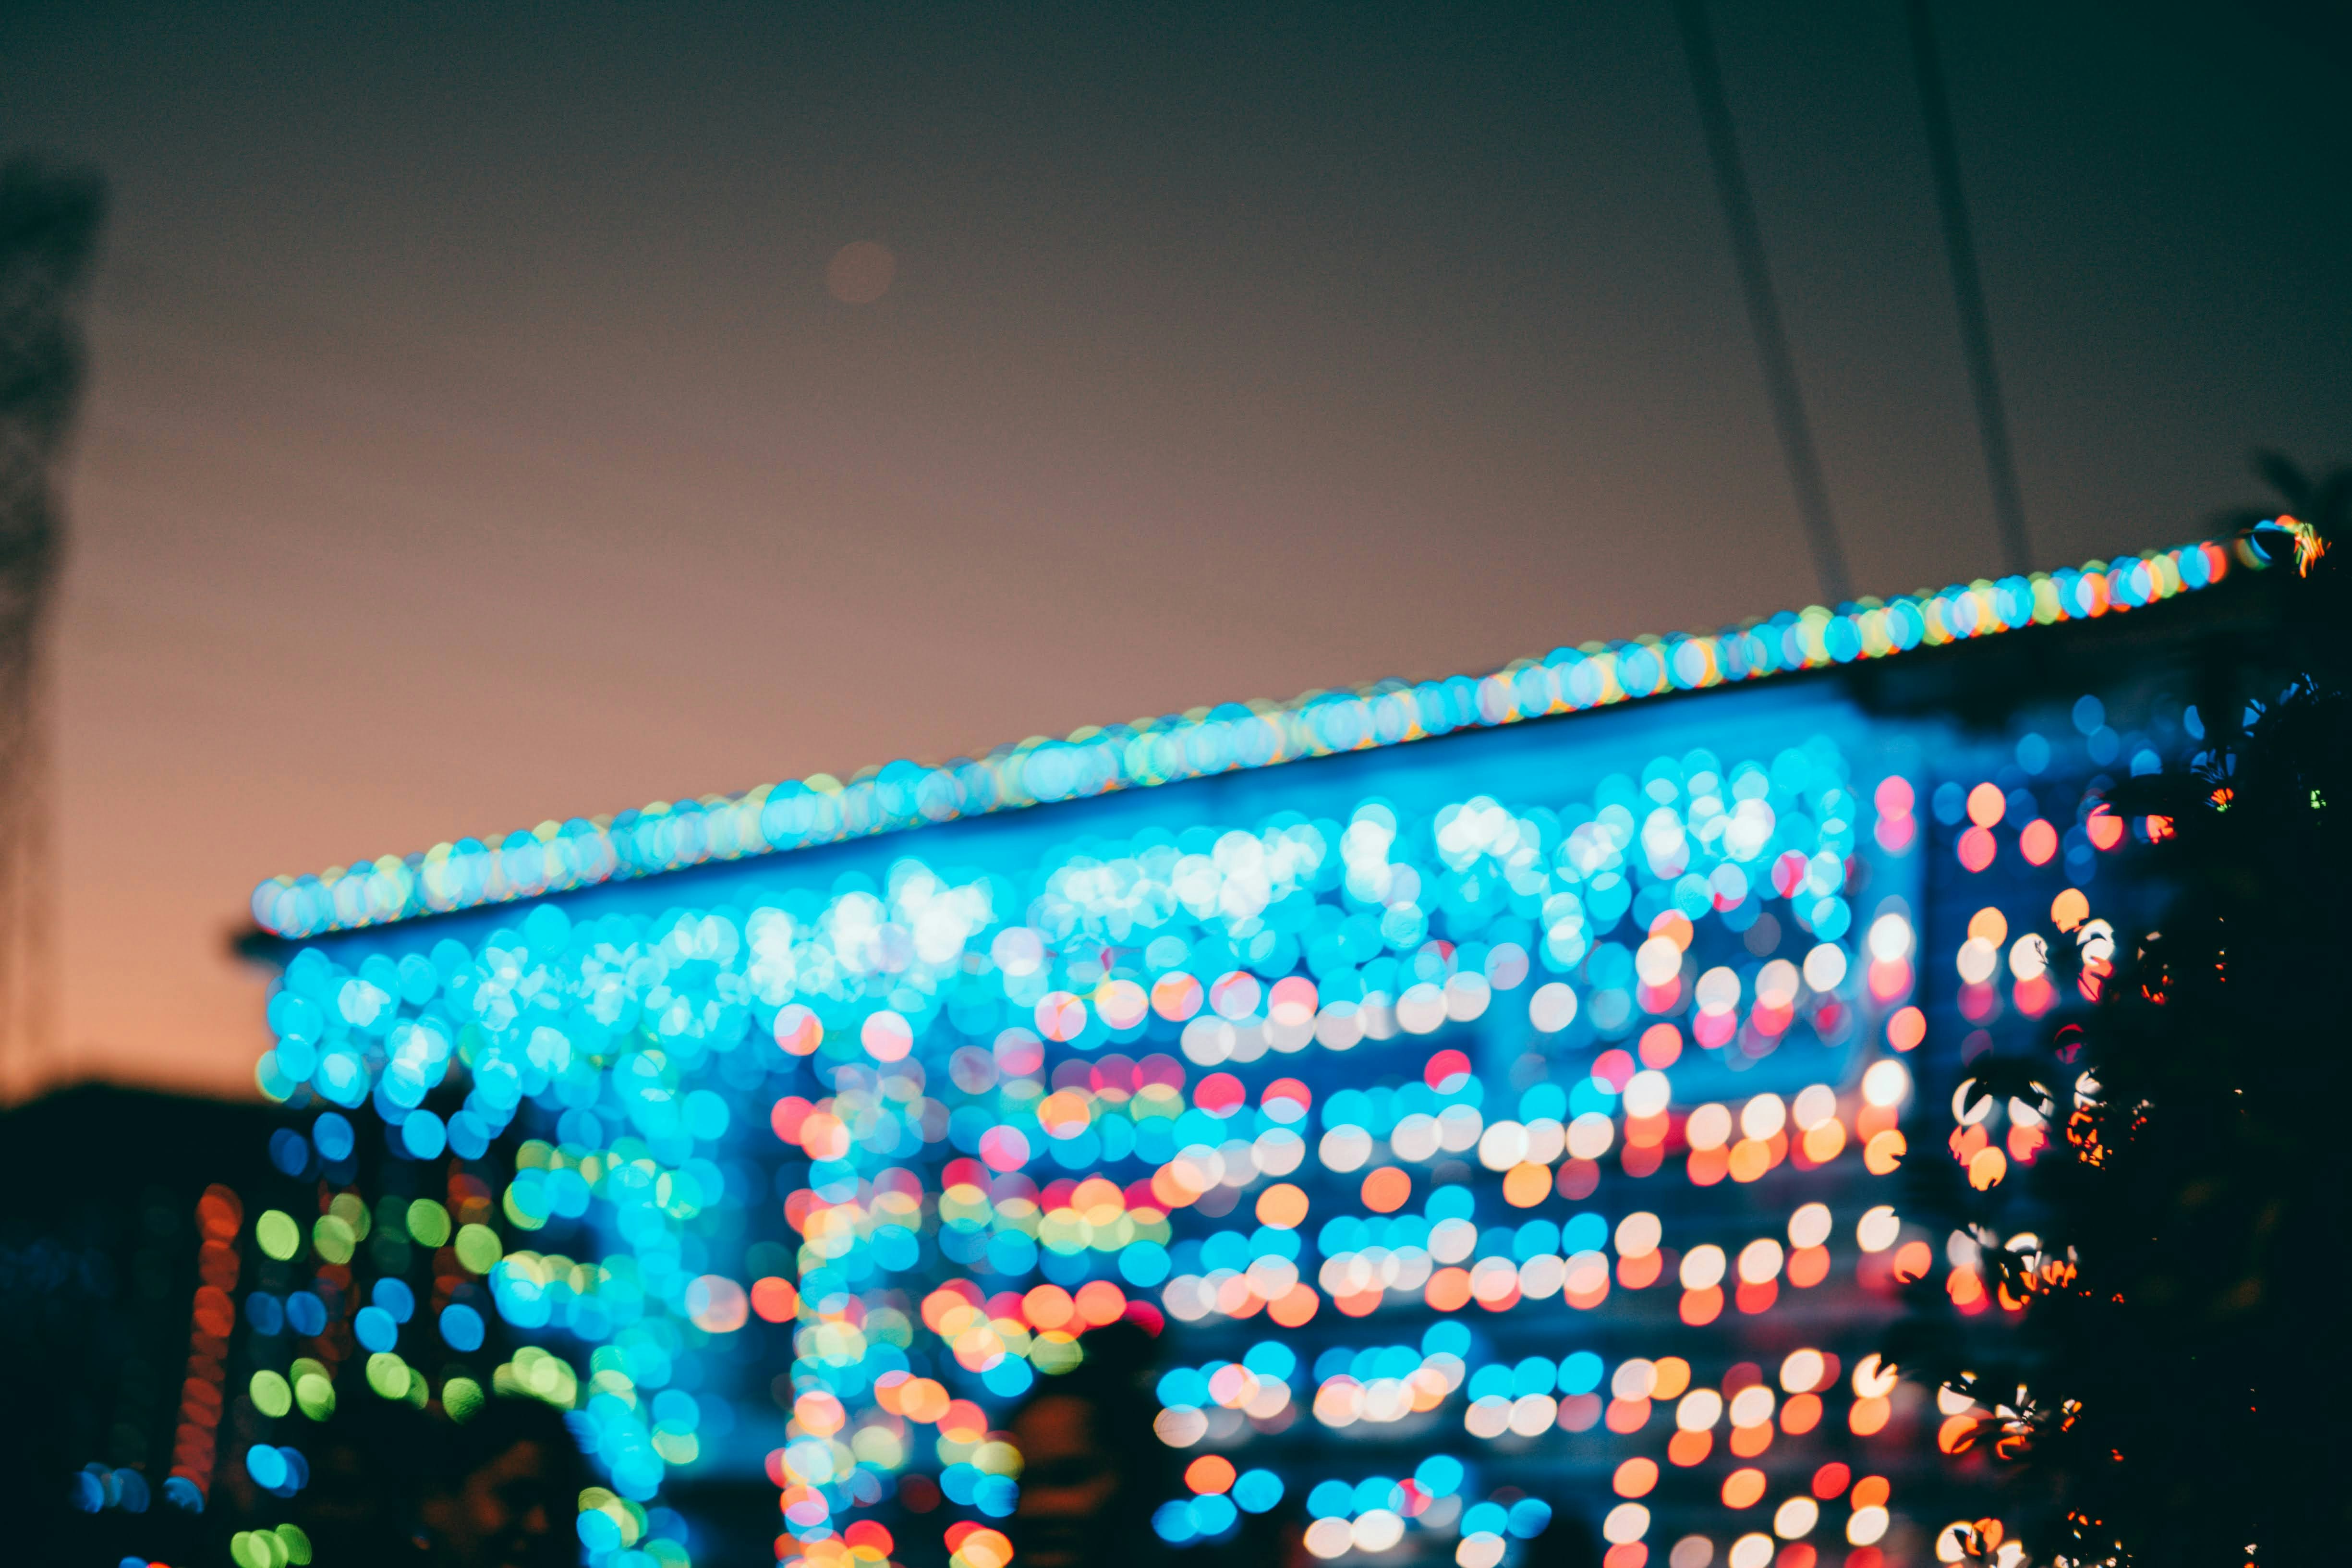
{"type": "Point", "coordinates": [49, 234]}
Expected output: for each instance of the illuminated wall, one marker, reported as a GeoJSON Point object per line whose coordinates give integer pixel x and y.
{"type": "Point", "coordinates": [1493, 1127]}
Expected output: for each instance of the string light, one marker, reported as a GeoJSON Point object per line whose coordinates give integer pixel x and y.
{"type": "Point", "coordinates": [1359, 1105]}
{"type": "Point", "coordinates": [669, 836]}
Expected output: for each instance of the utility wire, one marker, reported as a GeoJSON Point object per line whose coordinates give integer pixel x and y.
{"type": "Point", "coordinates": [1797, 448]}
{"type": "Point", "coordinates": [1968, 290]}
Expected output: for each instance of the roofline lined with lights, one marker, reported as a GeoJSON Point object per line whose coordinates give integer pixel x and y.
{"type": "Point", "coordinates": [586, 852]}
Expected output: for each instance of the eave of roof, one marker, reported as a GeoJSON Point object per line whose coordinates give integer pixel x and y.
{"type": "Point", "coordinates": [556, 857]}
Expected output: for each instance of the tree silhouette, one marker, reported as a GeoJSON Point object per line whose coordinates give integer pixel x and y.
{"type": "Point", "coordinates": [2177, 1388]}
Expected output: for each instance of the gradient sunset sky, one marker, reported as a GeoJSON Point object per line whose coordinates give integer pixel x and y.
{"type": "Point", "coordinates": [475, 437]}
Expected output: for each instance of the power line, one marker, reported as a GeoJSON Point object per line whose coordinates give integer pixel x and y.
{"type": "Point", "coordinates": [1967, 290]}
{"type": "Point", "coordinates": [1780, 368]}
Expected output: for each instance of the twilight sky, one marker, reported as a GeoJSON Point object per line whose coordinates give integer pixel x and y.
{"type": "Point", "coordinates": [478, 435]}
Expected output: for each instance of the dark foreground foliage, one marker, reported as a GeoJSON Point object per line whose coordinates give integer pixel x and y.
{"type": "Point", "coordinates": [2179, 1384]}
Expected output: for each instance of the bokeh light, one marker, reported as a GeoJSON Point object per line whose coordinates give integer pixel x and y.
{"type": "Point", "coordinates": [1380, 1097]}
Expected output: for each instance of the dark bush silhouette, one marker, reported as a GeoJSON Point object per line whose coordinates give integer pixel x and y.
{"type": "Point", "coordinates": [2176, 1389]}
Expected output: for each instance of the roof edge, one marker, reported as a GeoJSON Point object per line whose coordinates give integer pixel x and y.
{"type": "Point", "coordinates": [796, 813]}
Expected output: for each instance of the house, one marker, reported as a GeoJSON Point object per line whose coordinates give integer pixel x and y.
{"type": "Point", "coordinates": [1488, 1091]}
